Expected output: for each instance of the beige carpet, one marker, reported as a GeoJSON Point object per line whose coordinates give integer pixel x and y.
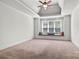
{"type": "Point", "coordinates": [41, 49]}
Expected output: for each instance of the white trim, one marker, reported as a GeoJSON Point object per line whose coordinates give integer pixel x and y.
{"type": "Point", "coordinates": [56, 16]}
{"type": "Point", "coordinates": [76, 44]}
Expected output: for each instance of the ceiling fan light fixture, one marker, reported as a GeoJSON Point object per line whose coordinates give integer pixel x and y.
{"type": "Point", "coordinates": [45, 6]}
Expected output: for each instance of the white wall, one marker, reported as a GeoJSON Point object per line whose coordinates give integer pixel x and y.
{"type": "Point", "coordinates": [15, 26]}
{"type": "Point", "coordinates": [75, 26]}
{"type": "Point", "coordinates": [69, 5]}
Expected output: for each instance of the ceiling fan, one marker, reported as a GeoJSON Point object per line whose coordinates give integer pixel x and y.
{"type": "Point", "coordinates": [45, 4]}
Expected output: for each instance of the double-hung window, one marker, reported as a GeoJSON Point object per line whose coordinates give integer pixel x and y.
{"type": "Point", "coordinates": [52, 26]}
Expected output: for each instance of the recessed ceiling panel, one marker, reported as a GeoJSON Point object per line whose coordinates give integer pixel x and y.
{"type": "Point", "coordinates": [50, 11]}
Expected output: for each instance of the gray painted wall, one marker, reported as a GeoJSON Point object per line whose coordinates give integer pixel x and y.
{"type": "Point", "coordinates": [36, 26]}
{"type": "Point", "coordinates": [67, 27]}
{"type": "Point", "coordinates": [15, 26]}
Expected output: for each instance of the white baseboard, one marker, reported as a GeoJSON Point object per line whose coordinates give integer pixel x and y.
{"type": "Point", "coordinates": [7, 46]}
{"type": "Point", "coordinates": [75, 43]}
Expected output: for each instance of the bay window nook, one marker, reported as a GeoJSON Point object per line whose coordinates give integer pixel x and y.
{"type": "Point", "coordinates": [51, 27]}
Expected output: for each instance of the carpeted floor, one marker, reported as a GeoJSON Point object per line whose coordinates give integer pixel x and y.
{"type": "Point", "coordinates": [41, 49]}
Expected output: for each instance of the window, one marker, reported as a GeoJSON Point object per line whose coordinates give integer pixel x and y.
{"type": "Point", "coordinates": [57, 26]}
{"type": "Point", "coordinates": [52, 26]}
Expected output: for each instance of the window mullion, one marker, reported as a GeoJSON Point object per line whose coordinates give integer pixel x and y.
{"type": "Point", "coordinates": [54, 26]}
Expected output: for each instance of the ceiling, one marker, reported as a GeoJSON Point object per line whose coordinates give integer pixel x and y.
{"type": "Point", "coordinates": [33, 4]}
{"type": "Point", "coordinates": [55, 9]}
{"type": "Point", "coordinates": [66, 5]}
{"type": "Point", "coordinates": [69, 5]}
